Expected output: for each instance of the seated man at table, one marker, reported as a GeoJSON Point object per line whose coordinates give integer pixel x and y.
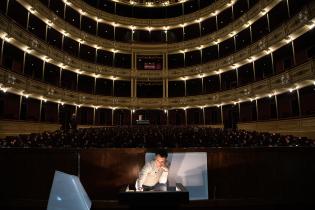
{"type": "Point", "coordinates": [154, 172]}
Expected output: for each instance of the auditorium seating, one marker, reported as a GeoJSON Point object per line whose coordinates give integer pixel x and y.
{"type": "Point", "coordinates": [153, 136]}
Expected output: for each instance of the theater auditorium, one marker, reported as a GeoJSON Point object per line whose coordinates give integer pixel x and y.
{"type": "Point", "coordinates": [90, 90]}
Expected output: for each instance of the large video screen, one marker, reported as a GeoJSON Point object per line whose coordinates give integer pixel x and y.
{"type": "Point", "coordinates": [189, 169]}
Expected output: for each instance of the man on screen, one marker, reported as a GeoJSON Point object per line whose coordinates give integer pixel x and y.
{"type": "Point", "coordinates": [153, 172]}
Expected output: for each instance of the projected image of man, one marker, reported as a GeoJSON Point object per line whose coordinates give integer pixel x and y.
{"type": "Point", "coordinates": [153, 172]}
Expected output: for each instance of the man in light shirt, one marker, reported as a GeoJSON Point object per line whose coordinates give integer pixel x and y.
{"type": "Point", "coordinates": [154, 172]}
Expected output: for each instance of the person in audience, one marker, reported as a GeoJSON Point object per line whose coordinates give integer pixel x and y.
{"type": "Point", "coordinates": [73, 122]}
{"type": "Point", "coordinates": [153, 172]}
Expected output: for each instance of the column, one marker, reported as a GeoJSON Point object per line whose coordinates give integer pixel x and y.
{"type": "Point", "coordinates": [220, 81]}
{"type": "Point", "coordinates": [23, 64]}
{"type": "Point", "coordinates": [257, 114]}
{"type": "Point", "coordinates": [62, 41]}
{"type": "Point", "coordinates": [94, 112]}
{"type": "Point", "coordinates": [221, 109]}
{"type": "Point", "coordinates": [293, 52]}
{"type": "Point", "coordinates": [299, 102]}
{"type": "Point", "coordinates": [202, 85]}
{"type": "Point", "coordinates": [185, 116]}
{"type": "Point", "coordinates": [43, 70]}
{"type": "Point", "coordinates": [201, 60]}
{"type": "Point", "coordinates": [268, 22]}
{"type": "Point", "coordinates": [60, 75]}
{"type": "Point", "coordinates": [113, 116]}
{"type": "Point", "coordinates": [239, 111]}
{"type": "Point", "coordinates": [272, 63]}
{"type": "Point", "coordinates": [94, 89]}
{"type": "Point", "coordinates": [203, 116]}
{"type": "Point", "coordinates": [96, 54]}
{"type": "Point", "coordinates": [218, 46]}
{"type": "Point", "coordinates": [80, 21]}
{"type": "Point", "coordinates": [251, 34]}
{"type": "Point", "coordinates": [199, 28]}
{"type": "Point", "coordinates": [184, 59]}
{"type": "Point", "coordinates": [166, 87]}
{"type": "Point", "coordinates": [27, 20]}
{"type": "Point", "coordinates": [97, 28]}
{"type": "Point", "coordinates": [7, 7]}
{"type": "Point", "coordinates": [77, 82]}
{"type": "Point", "coordinates": [40, 110]}
{"type": "Point", "coordinates": [164, 69]}
{"type": "Point", "coordinates": [185, 88]}
{"type": "Point", "coordinates": [1, 54]}
{"type": "Point", "coordinates": [132, 34]}
{"type": "Point", "coordinates": [113, 91]}
{"type": "Point", "coordinates": [132, 87]}
{"type": "Point", "coordinates": [58, 111]}
{"type": "Point", "coordinates": [288, 7]}
{"type": "Point", "coordinates": [254, 71]}
{"type": "Point", "coordinates": [79, 49]}
{"type": "Point", "coordinates": [134, 72]}
{"type": "Point", "coordinates": [135, 88]}
{"type": "Point", "coordinates": [46, 32]}
{"type": "Point", "coordinates": [277, 111]}
{"type": "Point", "coordinates": [64, 11]}
{"type": "Point", "coordinates": [133, 61]}
{"type": "Point", "coordinates": [237, 79]}
{"type": "Point", "coordinates": [232, 7]}
{"type": "Point", "coordinates": [234, 40]}
{"type": "Point", "coordinates": [20, 106]}
{"type": "Point", "coordinates": [165, 62]}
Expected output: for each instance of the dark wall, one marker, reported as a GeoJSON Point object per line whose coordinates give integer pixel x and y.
{"type": "Point", "coordinates": [28, 173]}
{"type": "Point", "coordinates": [104, 172]}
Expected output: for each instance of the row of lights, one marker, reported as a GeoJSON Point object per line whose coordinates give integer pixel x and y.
{"type": "Point", "coordinates": [288, 39]}
{"type": "Point", "coordinates": [132, 27]}
{"type": "Point", "coordinates": [198, 20]}
{"type": "Point", "coordinates": [310, 25]}
{"type": "Point", "coordinates": [63, 66]}
{"type": "Point", "coordinates": [270, 95]}
{"type": "Point", "coordinates": [274, 93]}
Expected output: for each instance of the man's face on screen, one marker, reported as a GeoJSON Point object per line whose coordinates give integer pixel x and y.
{"type": "Point", "coordinates": [160, 161]}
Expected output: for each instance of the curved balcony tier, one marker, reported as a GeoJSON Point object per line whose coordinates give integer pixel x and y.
{"type": "Point", "coordinates": [258, 10]}
{"type": "Point", "coordinates": [297, 77]}
{"type": "Point", "coordinates": [296, 26]}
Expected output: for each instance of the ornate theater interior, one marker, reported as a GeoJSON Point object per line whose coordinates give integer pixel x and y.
{"type": "Point", "coordinates": [89, 87]}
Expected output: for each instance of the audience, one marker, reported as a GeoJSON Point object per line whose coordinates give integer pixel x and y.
{"type": "Point", "coordinates": [153, 136]}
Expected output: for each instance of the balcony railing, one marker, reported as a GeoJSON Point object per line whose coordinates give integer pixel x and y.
{"type": "Point", "coordinates": [300, 76]}
{"type": "Point", "coordinates": [61, 25]}
{"type": "Point", "coordinates": [274, 40]}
